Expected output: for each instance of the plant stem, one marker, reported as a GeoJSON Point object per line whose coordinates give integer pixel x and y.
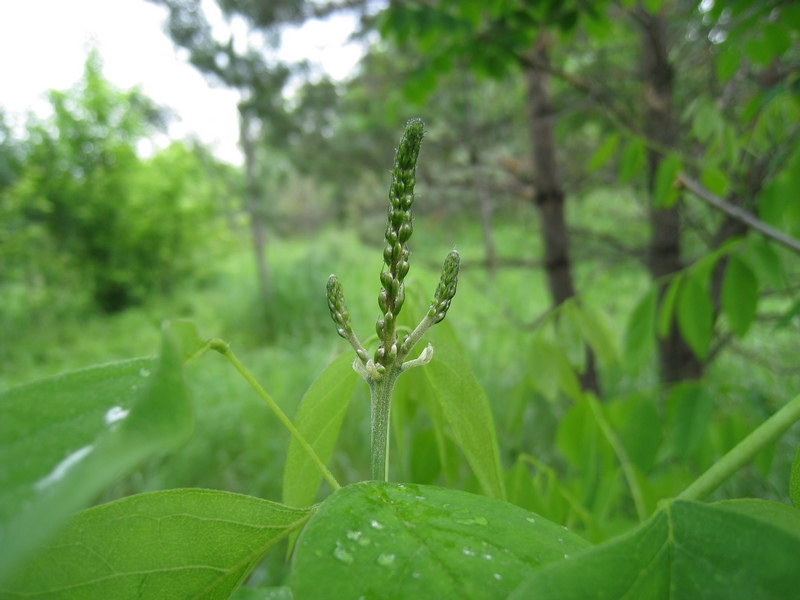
{"type": "Point", "coordinates": [743, 452]}
{"type": "Point", "coordinates": [381, 400]}
{"type": "Point", "coordinates": [225, 350]}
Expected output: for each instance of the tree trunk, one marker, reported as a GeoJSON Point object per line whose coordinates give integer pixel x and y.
{"type": "Point", "coordinates": [677, 362]}
{"type": "Point", "coordinates": [549, 195]}
{"type": "Point", "coordinates": [254, 209]}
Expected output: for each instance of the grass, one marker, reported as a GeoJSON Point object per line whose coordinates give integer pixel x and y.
{"type": "Point", "coordinates": [239, 446]}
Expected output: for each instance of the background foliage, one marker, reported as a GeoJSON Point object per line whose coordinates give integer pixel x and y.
{"type": "Point", "coordinates": [620, 358]}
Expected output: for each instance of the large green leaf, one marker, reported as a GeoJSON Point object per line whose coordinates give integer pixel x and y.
{"type": "Point", "coordinates": [385, 540]}
{"type": "Point", "coordinates": [319, 420]}
{"type": "Point", "coordinates": [64, 439]}
{"type": "Point", "coordinates": [173, 544]}
{"type": "Point", "coordinates": [686, 550]}
{"type": "Point", "coordinates": [739, 295]}
{"type": "Point", "coordinates": [467, 411]}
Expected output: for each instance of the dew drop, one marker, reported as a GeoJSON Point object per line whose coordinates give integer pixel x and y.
{"type": "Point", "coordinates": [467, 551]}
{"type": "Point", "coordinates": [498, 576]}
{"type": "Point", "coordinates": [560, 539]}
{"type": "Point", "coordinates": [63, 467]}
{"type": "Point", "coordinates": [114, 414]}
{"type": "Point", "coordinates": [353, 535]}
{"type": "Point", "coordinates": [566, 556]}
{"type": "Point", "coordinates": [144, 372]}
{"type": "Point", "coordinates": [530, 519]}
{"type": "Point", "coordinates": [386, 559]}
{"type": "Point", "coordinates": [487, 556]}
{"type": "Point", "coordinates": [415, 575]}
{"type": "Point", "coordinates": [375, 525]}
{"type": "Point", "coordinates": [339, 553]}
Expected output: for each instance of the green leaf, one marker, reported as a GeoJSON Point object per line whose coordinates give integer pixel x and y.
{"type": "Point", "coordinates": [652, 6]}
{"type": "Point", "coordinates": [604, 152]}
{"type": "Point", "coordinates": [794, 480]}
{"type": "Point", "coordinates": [187, 340]}
{"type": "Point", "coordinates": [739, 295]}
{"type": "Point", "coordinates": [759, 51]}
{"type": "Point", "coordinates": [594, 331]}
{"type": "Point", "coordinates": [639, 427]}
{"type": "Point", "coordinates": [632, 160]}
{"type": "Point", "coordinates": [543, 367]}
{"type": "Point", "coordinates": [695, 316]}
{"type": "Point", "coordinates": [577, 435]}
{"type": "Point", "coordinates": [263, 593]}
{"type": "Point", "coordinates": [686, 550]}
{"type": "Point", "coordinates": [707, 121]}
{"type": "Point", "coordinates": [688, 411]}
{"type": "Point", "coordinates": [64, 439]}
{"type": "Point", "coordinates": [550, 372]}
{"type": "Point", "coordinates": [639, 340]}
{"type": "Point", "coordinates": [319, 420]}
{"type": "Point", "coordinates": [715, 181]}
{"type": "Point", "coordinates": [467, 411]}
{"type": "Point", "coordinates": [173, 544]}
{"type": "Point", "coordinates": [767, 262]}
{"type": "Point", "coordinates": [664, 191]}
{"type": "Point", "coordinates": [396, 541]}
{"type": "Point", "coordinates": [778, 37]}
{"type": "Point", "coordinates": [728, 62]}
{"type": "Point", "coordinates": [789, 315]}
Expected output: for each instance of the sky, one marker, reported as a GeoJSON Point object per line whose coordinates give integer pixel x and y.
{"type": "Point", "coordinates": [43, 45]}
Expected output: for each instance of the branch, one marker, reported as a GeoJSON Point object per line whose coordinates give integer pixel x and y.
{"type": "Point", "coordinates": [769, 431]}
{"type": "Point", "coordinates": [737, 213]}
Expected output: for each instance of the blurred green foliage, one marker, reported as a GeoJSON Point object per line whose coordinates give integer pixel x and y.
{"type": "Point", "coordinates": [84, 201]}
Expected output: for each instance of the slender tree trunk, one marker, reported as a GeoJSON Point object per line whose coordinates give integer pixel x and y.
{"type": "Point", "coordinates": [549, 195]}
{"type": "Point", "coordinates": [677, 361]}
{"type": "Point", "coordinates": [254, 209]}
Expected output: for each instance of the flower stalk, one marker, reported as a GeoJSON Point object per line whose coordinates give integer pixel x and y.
{"type": "Point", "coordinates": [389, 360]}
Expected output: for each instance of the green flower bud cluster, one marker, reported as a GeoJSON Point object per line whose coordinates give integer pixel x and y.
{"type": "Point", "coordinates": [336, 305]}
{"type": "Point", "coordinates": [341, 316]}
{"type": "Point", "coordinates": [398, 231]}
{"type": "Point", "coordinates": [446, 288]}
{"type": "Point", "coordinates": [389, 360]}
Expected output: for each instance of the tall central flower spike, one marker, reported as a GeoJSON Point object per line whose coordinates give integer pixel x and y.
{"type": "Point", "coordinates": [389, 359]}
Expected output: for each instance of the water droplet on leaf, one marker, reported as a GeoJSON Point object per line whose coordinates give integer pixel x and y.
{"type": "Point", "coordinates": [386, 559]}
{"type": "Point", "coordinates": [341, 554]}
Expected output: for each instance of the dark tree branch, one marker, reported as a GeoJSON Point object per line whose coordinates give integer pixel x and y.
{"type": "Point", "coordinates": [738, 214]}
